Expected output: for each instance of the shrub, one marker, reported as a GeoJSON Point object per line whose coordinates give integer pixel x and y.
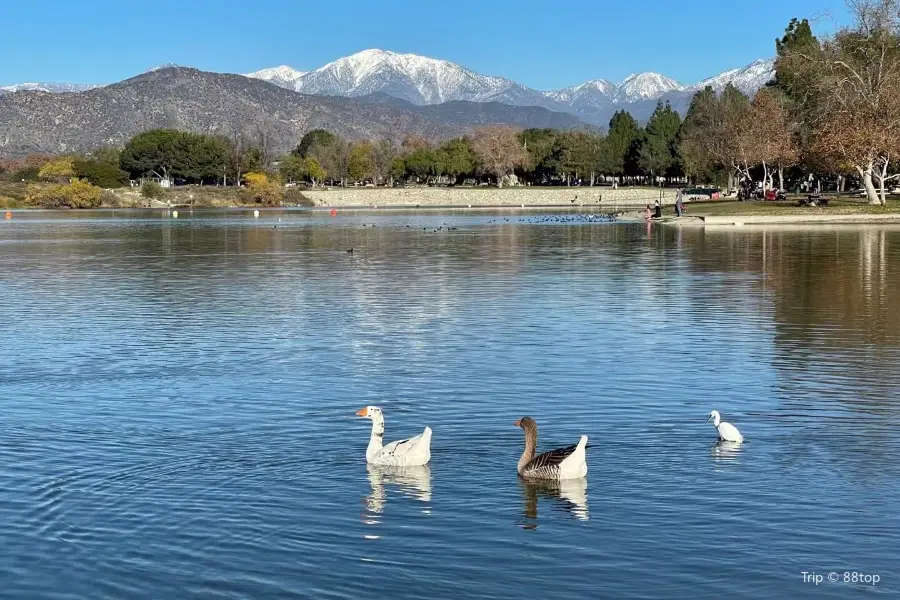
{"type": "Point", "coordinates": [26, 173]}
{"type": "Point", "coordinates": [152, 190]}
{"type": "Point", "coordinates": [78, 194]}
{"type": "Point", "coordinates": [7, 202]}
{"type": "Point", "coordinates": [59, 169]}
{"type": "Point", "coordinates": [261, 189]}
{"type": "Point", "coordinates": [110, 199]}
{"type": "Point", "coordinates": [101, 174]}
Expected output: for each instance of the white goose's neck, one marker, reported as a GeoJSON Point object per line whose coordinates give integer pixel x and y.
{"type": "Point", "coordinates": [376, 440]}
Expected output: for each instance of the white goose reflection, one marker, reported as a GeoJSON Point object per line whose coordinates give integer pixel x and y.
{"type": "Point", "coordinates": [570, 494]}
{"type": "Point", "coordinates": [414, 482]}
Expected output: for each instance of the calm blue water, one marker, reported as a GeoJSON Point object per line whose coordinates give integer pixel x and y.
{"type": "Point", "coordinates": [178, 404]}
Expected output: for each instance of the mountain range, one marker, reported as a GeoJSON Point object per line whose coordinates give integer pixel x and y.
{"type": "Point", "coordinates": [374, 93]}
{"type": "Point", "coordinates": [426, 81]}
{"type": "Point", "coordinates": [232, 105]}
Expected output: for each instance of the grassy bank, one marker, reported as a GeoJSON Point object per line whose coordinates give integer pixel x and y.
{"type": "Point", "coordinates": [845, 206]}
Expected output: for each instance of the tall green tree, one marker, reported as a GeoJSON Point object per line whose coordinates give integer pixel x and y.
{"type": "Point", "coordinates": [461, 159]}
{"type": "Point", "coordinates": [624, 134]}
{"type": "Point", "coordinates": [659, 154]}
{"type": "Point", "coordinates": [546, 154]}
{"type": "Point", "coordinates": [316, 137]}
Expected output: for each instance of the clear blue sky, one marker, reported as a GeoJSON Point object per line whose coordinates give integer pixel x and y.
{"type": "Point", "coordinates": [543, 44]}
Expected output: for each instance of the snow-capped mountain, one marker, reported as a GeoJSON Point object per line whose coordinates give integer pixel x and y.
{"type": "Point", "coordinates": [283, 76]}
{"type": "Point", "coordinates": [645, 86]}
{"type": "Point", "coordinates": [414, 78]}
{"type": "Point", "coordinates": [53, 88]}
{"type": "Point", "coordinates": [598, 93]}
{"type": "Point", "coordinates": [748, 79]}
{"type": "Point", "coordinates": [425, 81]}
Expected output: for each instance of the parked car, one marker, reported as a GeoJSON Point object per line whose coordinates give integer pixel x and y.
{"type": "Point", "coordinates": [701, 193]}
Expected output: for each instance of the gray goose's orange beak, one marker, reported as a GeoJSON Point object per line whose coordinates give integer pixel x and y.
{"type": "Point", "coordinates": [518, 423]}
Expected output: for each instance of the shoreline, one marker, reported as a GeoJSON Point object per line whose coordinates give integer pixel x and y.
{"type": "Point", "coordinates": [750, 220]}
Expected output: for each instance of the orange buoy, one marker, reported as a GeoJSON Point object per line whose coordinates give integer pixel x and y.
{"type": "Point", "coordinates": [8, 214]}
{"type": "Point", "coordinates": [333, 213]}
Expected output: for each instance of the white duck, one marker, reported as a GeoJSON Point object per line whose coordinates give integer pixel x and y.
{"type": "Point", "coordinates": [559, 464]}
{"type": "Point", "coordinates": [727, 431]}
{"type": "Point", "coordinates": [415, 451]}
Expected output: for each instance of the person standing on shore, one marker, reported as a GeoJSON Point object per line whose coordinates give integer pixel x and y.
{"type": "Point", "coordinates": [679, 203]}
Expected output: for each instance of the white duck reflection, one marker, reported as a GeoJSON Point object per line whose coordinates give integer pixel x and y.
{"type": "Point", "coordinates": [414, 482]}
{"type": "Point", "coordinates": [570, 494]}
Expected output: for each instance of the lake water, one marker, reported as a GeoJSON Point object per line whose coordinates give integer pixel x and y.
{"type": "Point", "coordinates": [178, 402]}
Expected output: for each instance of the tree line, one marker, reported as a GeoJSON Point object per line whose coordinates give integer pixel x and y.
{"type": "Point", "coordinates": [833, 109]}
{"type": "Point", "coordinates": [498, 154]}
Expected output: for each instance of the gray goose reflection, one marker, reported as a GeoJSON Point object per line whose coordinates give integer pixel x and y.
{"type": "Point", "coordinates": [569, 494]}
{"type": "Point", "coordinates": [413, 482]}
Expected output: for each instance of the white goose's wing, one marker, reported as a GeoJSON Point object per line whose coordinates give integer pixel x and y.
{"type": "Point", "coordinates": [416, 449]}
{"type": "Point", "coordinates": [401, 447]}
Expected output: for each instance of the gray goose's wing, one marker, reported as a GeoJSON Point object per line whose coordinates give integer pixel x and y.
{"type": "Point", "coordinates": [547, 464]}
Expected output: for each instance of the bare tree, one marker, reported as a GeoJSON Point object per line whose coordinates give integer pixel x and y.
{"type": "Point", "coordinates": [239, 146]}
{"type": "Point", "coordinates": [498, 150]}
{"type": "Point", "coordinates": [383, 155]}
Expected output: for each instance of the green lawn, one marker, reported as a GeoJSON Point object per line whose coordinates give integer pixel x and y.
{"type": "Point", "coordinates": [835, 207]}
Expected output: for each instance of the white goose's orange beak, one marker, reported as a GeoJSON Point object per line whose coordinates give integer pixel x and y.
{"type": "Point", "coordinates": [362, 412]}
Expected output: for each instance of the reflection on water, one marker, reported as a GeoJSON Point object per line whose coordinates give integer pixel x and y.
{"type": "Point", "coordinates": [412, 482]}
{"type": "Point", "coordinates": [569, 495]}
{"type": "Point", "coordinates": [175, 397]}
{"type": "Point", "coordinates": [724, 452]}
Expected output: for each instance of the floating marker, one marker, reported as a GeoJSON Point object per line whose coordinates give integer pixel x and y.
{"type": "Point", "coordinates": [174, 214]}
{"type": "Point", "coordinates": [333, 213]}
{"type": "Point", "coordinates": [256, 214]}
{"type": "Point", "coordinates": [8, 215]}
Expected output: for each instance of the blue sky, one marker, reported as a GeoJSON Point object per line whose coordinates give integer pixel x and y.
{"type": "Point", "coordinates": [542, 44]}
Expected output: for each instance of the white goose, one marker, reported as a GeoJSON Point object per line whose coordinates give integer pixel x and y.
{"type": "Point", "coordinates": [559, 464]}
{"type": "Point", "coordinates": [727, 431]}
{"type": "Point", "coordinates": [415, 451]}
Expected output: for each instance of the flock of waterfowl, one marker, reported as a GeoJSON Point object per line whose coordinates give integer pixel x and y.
{"type": "Point", "coordinates": [558, 465]}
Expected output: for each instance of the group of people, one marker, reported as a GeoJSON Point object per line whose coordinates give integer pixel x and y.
{"type": "Point", "coordinates": [657, 212]}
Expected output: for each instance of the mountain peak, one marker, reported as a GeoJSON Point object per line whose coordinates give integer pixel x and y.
{"type": "Point", "coordinates": [645, 86]}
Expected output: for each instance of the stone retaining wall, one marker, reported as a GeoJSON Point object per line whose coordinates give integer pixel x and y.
{"type": "Point", "coordinates": [604, 197]}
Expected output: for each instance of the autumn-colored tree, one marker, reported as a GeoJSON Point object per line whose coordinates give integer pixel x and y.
{"type": "Point", "coordinates": [59, 169]}
{"type": "Point", "coordinates": [314, 170]}
{"type": "Point", "coordinates": [77, 194]}
{"type": "Point", "coordinates": [852, 83]}
{"type": "Point", "coordinates": [771, 134]}
{"type": "Point", "coordinates": [712, 136]}
{"type": "Point", "coordinates": [499, 150]}
{"type": "Point", "coordinates": [263, 189]}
